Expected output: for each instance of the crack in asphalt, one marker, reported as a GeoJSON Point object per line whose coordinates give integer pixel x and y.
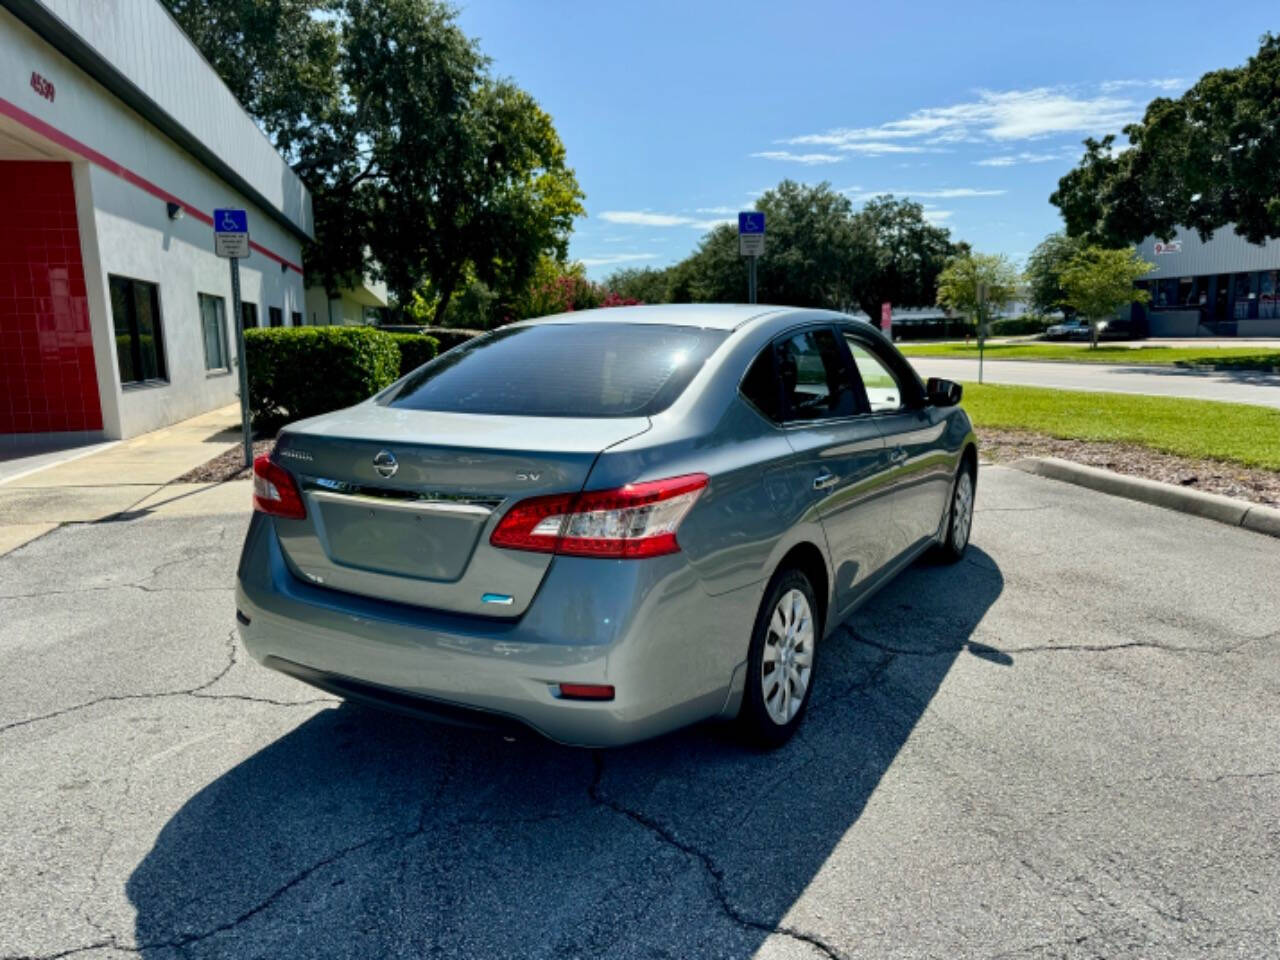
{"type": "Point", "coordinates": [198, 692]}
{"type": "Point", "coordinates": [713, 870]}
{"type": "Point", "coordinates": [1217, 778]}
{"type": "Point", "coordinates": [112, 586]}
{"type": "Point", "coordinates": [139, 584]}
{"type": "Point", "coordinates": [1052, 647]}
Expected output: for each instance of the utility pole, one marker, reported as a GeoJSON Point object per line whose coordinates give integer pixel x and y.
{"type": "Point", "coordinates": [245, 427]}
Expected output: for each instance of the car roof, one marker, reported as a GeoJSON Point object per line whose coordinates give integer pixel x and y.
{"type": "Point", "coordinates": [718, 316]}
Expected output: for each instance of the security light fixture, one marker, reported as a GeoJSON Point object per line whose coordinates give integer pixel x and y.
{"type": "Point", "coordinates": [173, 209]}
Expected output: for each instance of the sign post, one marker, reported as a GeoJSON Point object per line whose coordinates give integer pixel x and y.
{"type": "Point", "coordinates": [231, 240]}
{"type": "Point", "coordinates": [751, 246]}
{"type": "Point", "coordinates": [982, 325]}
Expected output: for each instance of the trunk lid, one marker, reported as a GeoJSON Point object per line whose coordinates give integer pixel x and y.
{"type": "Point", "coordinates": [400, 503]}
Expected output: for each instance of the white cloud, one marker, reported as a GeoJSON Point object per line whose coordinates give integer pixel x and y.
{"type": "Point", "coordinates": [608, 259]}
{"type": "Point", "coordinates": [999, 116]}
{"type": "Point", "coordinates": [717, 210]}
{"type": "Point", "coordinates": [808, 159]}
{"type": "Point", "coordinates": [1166, 84]}
{"type": "Point", "coordinates": [857, 194]}
{"type": "Point", "coordinates": [874, 148]}
{"type": "Point", "coordinates": [934, 215]}
{"type": "Point", "coordinates": [645, 218]}
{"type": "Point", "coordinates": [1011, 159]}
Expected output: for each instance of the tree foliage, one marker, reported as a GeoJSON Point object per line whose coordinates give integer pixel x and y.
{"type": "Point", "coordinates": [421, 166]}
{"type": "Point", "coordinates": [644, 284]}
{"type": "Point", "coordinates": [1043, 269]}
{"type": "Point", "coordinates": [1206, 159]}
{"type": "Point", "coordinates": [897, 256]}
{"type": "Point", "coordinates": [978, 285]}
{"type": "Point", "coordinates": [820, 252]}
{"type": "Point", "coordinates": [1098, 281]}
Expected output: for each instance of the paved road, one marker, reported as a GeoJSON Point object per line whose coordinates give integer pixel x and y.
{"type": "Point", "coordinates": [1233, 386]}
{"type": "Point", "coordinates": [1063, 747]}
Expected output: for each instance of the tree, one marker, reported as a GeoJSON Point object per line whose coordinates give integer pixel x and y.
{"type": "Point", "coordinates": [808, 255]}
{"type": "Point", "coordinates": [1206, 159]}
{"type": "Point", "coordinates": [978, 285]}
{"type": "Point", "coordinates": [646, 284]}
{"type": "Point", "coordinates": [897, 256]}
{"type": "Point", "coordinates": [1098, 281]}
{"type": "Point", "coordinates": [414, 156]}
{"type": "Point", "coordinates": [1043, 269]}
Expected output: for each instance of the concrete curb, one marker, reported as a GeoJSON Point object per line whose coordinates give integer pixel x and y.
{"type": "Point", "coordinates": [1236, 513]}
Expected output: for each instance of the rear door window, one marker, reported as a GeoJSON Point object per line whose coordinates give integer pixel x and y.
{"type": "Point", "coordinates": [604, 369]}
{"type": "Point", "coordinates": [816, 383]}
{"type": "Point", "coordinates": [760, 386]}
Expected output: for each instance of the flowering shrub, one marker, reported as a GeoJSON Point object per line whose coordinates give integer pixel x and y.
{"type": "Point", "coordinates": [560, 288]}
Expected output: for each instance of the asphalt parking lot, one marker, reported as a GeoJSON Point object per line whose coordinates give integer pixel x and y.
{"type": "Point", "coordinates": [1066, 746]}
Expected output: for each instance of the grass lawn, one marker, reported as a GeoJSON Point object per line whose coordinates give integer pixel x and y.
{"type": "Point", "coordinates": [1233, 432]}
{"type": "Point", "coordinates": [1221, 358]}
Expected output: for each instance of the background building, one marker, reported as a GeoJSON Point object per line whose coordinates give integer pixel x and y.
{"type": "Point", "coordinates": [1225, 286]}
{"type": "Point", "coordinates": [117, 141]}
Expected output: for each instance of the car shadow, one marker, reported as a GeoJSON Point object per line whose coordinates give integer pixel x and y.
{"type": "Point", "coordinates": [361, 833]}
{"type": "Point", "coordinates": [1218, 373]}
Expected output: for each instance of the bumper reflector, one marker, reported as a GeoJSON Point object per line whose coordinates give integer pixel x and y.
{"type": "Point", "coordinates": [583, 691]}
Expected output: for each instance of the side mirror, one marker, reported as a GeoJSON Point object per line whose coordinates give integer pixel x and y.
{"type": "Point", "coordinates": [943, 393]}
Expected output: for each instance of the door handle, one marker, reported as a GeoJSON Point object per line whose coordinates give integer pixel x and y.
{"type": "Point", "coordinates": [825, 481]}
{"type": "Point", "coordinates": [898, 456]}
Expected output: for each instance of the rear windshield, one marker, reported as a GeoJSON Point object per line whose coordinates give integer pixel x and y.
{"type": "Point", "coordinates": [605, 369]}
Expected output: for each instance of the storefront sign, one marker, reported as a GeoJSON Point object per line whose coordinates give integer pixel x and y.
{"type": "Point", "coordinates": [42, 86]}
{"type": "Point", "coordinates": [1168, 246]}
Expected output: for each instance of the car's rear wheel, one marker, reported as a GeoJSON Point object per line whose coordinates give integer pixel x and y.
{"type": "Point", "coordinates": [959, 515]}
{"type": "Point", "coordinates": [781, 661]}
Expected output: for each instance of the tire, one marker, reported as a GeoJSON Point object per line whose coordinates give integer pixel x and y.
{"type": "Point", "coordinates": [959, 520]}
{"type": "Point", "coordinates": [785, 637]}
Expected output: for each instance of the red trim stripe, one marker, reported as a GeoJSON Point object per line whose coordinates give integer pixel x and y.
{"type": "Point", "coordinates": [34, 123]}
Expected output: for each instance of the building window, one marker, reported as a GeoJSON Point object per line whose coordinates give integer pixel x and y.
{"type": "Point", "coordinates": [276, 316]}
{"type": "Point", "coordinates": [135, 313]}
{"type": "Point", "coordinates": [295, 318]}
{"type": "Point", "coordinates": [1269, 294]}
{"type": "Point", "coordinates": [213, 321]}
{"type": "Point", "coordinates": [249, 315]}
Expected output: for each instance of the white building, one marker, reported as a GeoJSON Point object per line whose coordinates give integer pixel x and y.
{"type": "Point", "coordinates": [350, 308]}
{"type": "Point", "coordinates": [117, 141]}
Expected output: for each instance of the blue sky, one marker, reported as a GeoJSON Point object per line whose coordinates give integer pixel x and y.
{"type": "Point", "coordinates": [675, 115]}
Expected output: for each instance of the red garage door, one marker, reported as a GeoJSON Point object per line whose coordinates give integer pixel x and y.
{"type": "Point", "coordinates": [48, 381]}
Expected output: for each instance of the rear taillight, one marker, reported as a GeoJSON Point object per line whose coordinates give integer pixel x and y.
{"type": "Point", "coordinates": [638, 520]}
{"type": "Point", "coordinates": [275, 492]}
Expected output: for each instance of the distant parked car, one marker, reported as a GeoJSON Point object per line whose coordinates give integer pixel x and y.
{"type": "Point", "coordinates": [1074, 329]}
{"type": "Point", "coordinates": [1117, 328]}
{"type": "Point", "coordinates": [607, 524]}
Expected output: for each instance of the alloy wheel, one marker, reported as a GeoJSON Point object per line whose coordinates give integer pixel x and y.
{"type": "Point", "coordinates": [787, 663]}
{"type": "Point", "coordinates": [962, 510]}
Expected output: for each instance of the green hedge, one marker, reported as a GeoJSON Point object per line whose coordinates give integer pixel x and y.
{"type": "Point", "coordinates": [415, 350]}
{"type": "Point", "coordinates": [298, 372]}
{"type": "Point", "coordinates": [450, 337]}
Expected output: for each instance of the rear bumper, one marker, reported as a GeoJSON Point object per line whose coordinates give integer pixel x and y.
{"type": "Point", "coordinates": [647, 627]}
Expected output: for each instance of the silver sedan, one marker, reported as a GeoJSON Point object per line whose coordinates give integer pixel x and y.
{"type": "Point", "coordinates": [608, 524]}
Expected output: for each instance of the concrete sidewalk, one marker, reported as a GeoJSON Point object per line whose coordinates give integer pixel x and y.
{"type": "Point", "coordinates": [131, 477]}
